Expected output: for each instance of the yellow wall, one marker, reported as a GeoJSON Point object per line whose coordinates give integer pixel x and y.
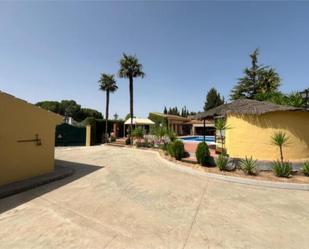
{"type": "Point", "coordinates": [250, 135]}
{"type": "Point", "coordinates": [19, 121]}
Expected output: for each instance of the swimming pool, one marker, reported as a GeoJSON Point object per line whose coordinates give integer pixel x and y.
{"type": "Point", "coordinates": [197, 139]}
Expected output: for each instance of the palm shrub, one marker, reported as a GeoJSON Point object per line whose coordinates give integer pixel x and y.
{"type": "Point", "coordinates": [305, 169]}
{"type": "Point", "coordinates": [282, 169]}
{"type": "Point", "coordinates": [222, 161]}
{"type": "Point", "coordinates": [248, 165]}
{"type": "Point", "coordinates": [280, 139]}
{"type": "Point", "coordinates": [202, 153]}
{"type": "Point", "coordinates": [221, 126]}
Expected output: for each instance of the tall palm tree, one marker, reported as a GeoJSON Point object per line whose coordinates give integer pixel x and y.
{"type": "Point", "coordinates": [107, 84]}
{"type": "Point", "coordinates": [130, 68]}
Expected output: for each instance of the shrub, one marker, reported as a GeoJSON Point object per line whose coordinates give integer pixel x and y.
{"type": "Point", "coordinates": [128, 141]}
{"type": "Point", "coordinates": [176, 149]}
{"type": "Point", "coordinates": [179, 149]}
{"type": "Point", "coordinates": [113, 139]}
{"type": "Point", "coordinates": [282, 169]}
{"type": "Point", "coordinates": [170, 149]}
{"type": "Point", "coordinates": [222, 161]}
{"type": "Point", "coordinates": [305, 169]}
{"type": "Point", "coordinates": [138, 133]}
{"type": "Point", "coordinates": [202, 153]}
{"type": "Point", "coordinates": [248, 165]}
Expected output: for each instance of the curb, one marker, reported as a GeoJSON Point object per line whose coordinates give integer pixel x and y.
{"type": "Point", "coordinates": [235, 179]}
{"type": "Point", "coordinates": [21, 186]}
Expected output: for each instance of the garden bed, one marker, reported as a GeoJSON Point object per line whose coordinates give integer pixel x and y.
{"type": "Point", "coordinates": [298, 177]}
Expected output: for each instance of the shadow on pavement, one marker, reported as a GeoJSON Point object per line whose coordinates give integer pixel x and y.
{"type": "Point", "coordinates": [80, 170]}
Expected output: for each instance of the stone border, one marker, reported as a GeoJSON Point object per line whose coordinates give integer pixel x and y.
{"type": "Point", "coordinates": [232, 179]}
{"type": "Point", "coordinates": [21, 186]}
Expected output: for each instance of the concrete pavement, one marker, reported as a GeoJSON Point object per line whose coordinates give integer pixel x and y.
{"type": "Point", "coordinates": [125, 198]}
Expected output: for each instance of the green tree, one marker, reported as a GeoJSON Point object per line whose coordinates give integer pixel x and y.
{"type": "Point", "coordinates": [128, 116]}
{"type": "Point", "coordinates": [130, 68]}
{"type": "Point", "coordinates": [87, 112]}
{"type": "Point", "coordinates": [69, 108]}
{"type": "Point", "coordinates": [107, 84]}
{"type": "Point", "coordinates": [116, 116]}
{"type": "Point", "coordinates": [257, 79]}
{"type": "Point", "coordinates": [213, 99]}
{"type": "Point", "coordinates": [165, 110]}
{"type": "Point", "coordinates": [269, 81]}
{"type": "Point", "coordinates": [53, 106]}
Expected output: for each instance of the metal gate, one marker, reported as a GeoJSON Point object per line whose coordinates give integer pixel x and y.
{"type": "Point", "coordinates": [69, 135]}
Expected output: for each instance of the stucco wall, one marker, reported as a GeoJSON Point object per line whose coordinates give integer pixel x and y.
{"type": "Point", "coordinates": [250, 135]}
{"type": "Point", "coordinates": [19, 121]}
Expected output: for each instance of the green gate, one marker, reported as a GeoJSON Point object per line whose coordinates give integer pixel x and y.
{"type": "Point", "coordinates": [69, 135]}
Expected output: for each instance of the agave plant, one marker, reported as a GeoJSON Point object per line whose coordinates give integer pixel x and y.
{"type": "Point", "coordinates": [282, 169]}
{"type": "Point", "coordinates": [248, 165]}
{"type": "Point", "coordinates": [222, 161]}
{"type": "Point", "coordinates": [305, 169]}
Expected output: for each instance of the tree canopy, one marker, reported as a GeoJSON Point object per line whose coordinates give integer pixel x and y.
{"type": "Point", "coordinates": [70, 108]}
{"type": "Point", "coordinates": [108, 83]}
{"type": "Point", "coordinates": [257, 79]}
{"type": "Point", "coordinates": [213, 99]}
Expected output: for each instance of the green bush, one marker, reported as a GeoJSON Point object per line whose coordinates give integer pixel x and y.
{"type": "Point", "coordinates": [170, 149]}
{"type": "Point", "coordinates": [282, 169]}
{"type": "Point", "coordinates": [176, 149]}
{"type": "Point", "coordinates": [248, 165]}
{"type": "Point", "coordinates": [202, 153]}
{"type": "Point", "coordinates": [179, 149]}
{"type": "Point", "coordinates": [222, 161]}
{"type": "Point", "coordinates": [305, 169]}
{"type": "Point", "coordinates": [128, 141]}
{"type": "Point", "coordinates": [138, 133]}
{"type": "Point", "coordinates": [113, 139]}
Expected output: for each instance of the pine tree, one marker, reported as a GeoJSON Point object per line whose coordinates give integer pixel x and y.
{"type": "Point", "coordinates": [213, 99]}
{"type": "Point", "coordinates": [257, 79]}
{"type": "Point", "coordinates": [165, 110]}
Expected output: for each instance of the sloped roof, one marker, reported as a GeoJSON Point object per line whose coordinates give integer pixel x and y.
{"type": "Point", "coordinates": [246, 106]}
{"type": "Point", "coordinates": [139, 121]}
{"type": "Point", "coordinates": [49, 113]}
{"type": "Point", "coordinates": [170, 116]}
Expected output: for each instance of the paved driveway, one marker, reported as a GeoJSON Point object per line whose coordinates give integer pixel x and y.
{"type": "Point", "coordinates": [123, 198]}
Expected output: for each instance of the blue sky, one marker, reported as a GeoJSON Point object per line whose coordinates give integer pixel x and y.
{"type": "Point", "coordinates": [57, 50]}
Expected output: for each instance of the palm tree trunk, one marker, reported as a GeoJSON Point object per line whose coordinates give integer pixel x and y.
{"type": "Point", "coordinates": [131, 107]}
{"type": "Point", "coordinates": [281, 155]}
{"type": "Point", "coordinates": [106, 116]}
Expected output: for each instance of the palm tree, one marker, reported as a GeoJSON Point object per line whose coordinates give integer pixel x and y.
{"type": "Point", "coordinates": [280, 139]}
{"type": "Point", "coordinates": [107, 84]}
{"type": "Point", "coordinates": [269, 81]}
{"type": "Point", "coordinates": [130, 68]}
{"type": "Point", "coordinates": [221, 126]}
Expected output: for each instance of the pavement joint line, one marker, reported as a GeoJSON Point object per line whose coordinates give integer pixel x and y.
{"type": "Point", "coordinates": [117, 233]}
{"type": "Point", "coordinates": [196, 213]}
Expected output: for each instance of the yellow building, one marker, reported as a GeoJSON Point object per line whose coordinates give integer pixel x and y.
{"type": "Point", "coordinates": [252, 123]}
{"type": "Point", "coordinates": [27, 138]}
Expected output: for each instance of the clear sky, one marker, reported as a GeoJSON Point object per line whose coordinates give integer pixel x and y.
{"type": "Point", "coordinates": [57, 50]}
